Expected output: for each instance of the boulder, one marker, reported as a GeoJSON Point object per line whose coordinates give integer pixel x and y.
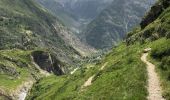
{"type": "Point", "coordinates": [147, 50]}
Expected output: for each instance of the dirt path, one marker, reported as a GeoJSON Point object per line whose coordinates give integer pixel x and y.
{"type": "Point", "coordinates": [23, 89]}
{"type": "Point", "coordinates": [72, 72]}
{"type": "Point", "coordinates": [89, 81]}
{"type": "Point", "coordinates": [103, 66]}
{"type": "Point", "coordinates": [154, 88]}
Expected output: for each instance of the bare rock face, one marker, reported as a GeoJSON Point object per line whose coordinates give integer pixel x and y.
{"type": "Point", "coordinates": [48, 63]}
{"type": "Point", "coordinates": [154, 13]}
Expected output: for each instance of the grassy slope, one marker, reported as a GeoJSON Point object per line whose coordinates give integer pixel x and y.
{"type": "Point", "coordinates": [161, 47]}
{"type": "Point", "coordinates": [15, 68]}
{"type": "Point", "coordinates": [122, 78]}
{"type": "Point", "coordinates": [158, 30]}
{"type": "Point", "coordinates": [125, 75]}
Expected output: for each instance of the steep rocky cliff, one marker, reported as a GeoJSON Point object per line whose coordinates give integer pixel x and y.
{"type": "Point", "coordinates": [32, 45]}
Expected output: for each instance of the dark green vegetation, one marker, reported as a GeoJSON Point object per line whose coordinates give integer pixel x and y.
{"type": "Point", "coordinates": [161, 57]}
{"type": "Point", "coordinates": [111, 26]}
{"type": "Point", "coordinates": [125, 76]}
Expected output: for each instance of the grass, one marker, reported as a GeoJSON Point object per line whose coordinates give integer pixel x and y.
{"type": "Point", "coordinates": [124, 77]}
{"type": "Point", "coordinates": [160, 57]}
{"type": "Point", "coordinates": [15, 68]}
{"type": "Point", "coordinates": [61, 87]}
{"type": "Point", "coordinates": [9, 83]}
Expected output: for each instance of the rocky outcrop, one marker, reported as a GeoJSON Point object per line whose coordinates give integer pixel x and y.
{"type": "Point", "coordinates": [47, 62]}
{"type": "Point", "coordinates": [8, 70]}
{"type": "Point", "coordinates": [4, 97]}
{"type": "Point", "coordinates": [154, 13]}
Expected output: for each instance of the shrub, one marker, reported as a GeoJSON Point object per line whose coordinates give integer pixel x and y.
{"type": "Point", "coordinates": [161, 49]}
{"type": "Point", "coordinates": [165, 63]}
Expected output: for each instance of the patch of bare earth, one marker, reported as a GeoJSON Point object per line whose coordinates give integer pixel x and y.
{"type": "Point", "coordinates": [90, 79]}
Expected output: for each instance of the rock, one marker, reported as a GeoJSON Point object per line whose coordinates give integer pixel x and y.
{"type": "Point", "coordinates": [47, 63]}
{"type": "Point", "coordinates": [147, 50]}
{"type": "Point", "coordinates": [9, 70]}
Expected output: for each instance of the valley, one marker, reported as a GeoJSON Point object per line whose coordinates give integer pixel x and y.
{"type": "Point", "coordinates": [84, 49]}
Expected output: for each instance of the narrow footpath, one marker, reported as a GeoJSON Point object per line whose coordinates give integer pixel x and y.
{"type": "Point", "coordinates": [89, 81]}
{"type": "Point", "coordinates": [154, 88]}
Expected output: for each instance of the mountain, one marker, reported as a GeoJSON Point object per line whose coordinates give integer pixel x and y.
{"type": "Point", "coordinates": [114, 22]}
{"type": "Point", "coordinates": [29, 26]}
{"type": "Point", "coordinates": [33, 44]}
{"type": "Point", "coordinates": [32, 26]}
{"type": "Point", "coordinates": [120, 74]}
{"type": "Point", "coordinates": [37, 56]}
{"type": "Point", "coordinates": [75, 14]}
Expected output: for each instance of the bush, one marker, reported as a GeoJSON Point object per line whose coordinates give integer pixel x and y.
{"type": "Point", "coordinates": [161, 49]}
{"type": "Point", "coordinates": [165, 63]}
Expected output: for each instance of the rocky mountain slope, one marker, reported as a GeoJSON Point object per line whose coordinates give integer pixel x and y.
{"type": "Point", "coordinates": [33, 46]}
{"type": "Point", "coordinates": [28, 26]}
{"type": "Point", "coordinates": [114, 22]}
{"type": "Point", "coordinates": [33, 43]}
{"type": "Point", "coordinates": [124, 75]}
{"type": "Point", "coordinates": [75, 14]}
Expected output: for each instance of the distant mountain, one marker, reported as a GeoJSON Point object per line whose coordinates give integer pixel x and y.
{"type": "Point", "coordinates": [33, 44]}
{"type": "Point", "coordinates": [75, 14]}
{"type": "Point", "coordinates": [28, 26]}
{"type": "Point", "coordinates": [120, 74]}
{"type": "Point", "coordinates": [113, 22]}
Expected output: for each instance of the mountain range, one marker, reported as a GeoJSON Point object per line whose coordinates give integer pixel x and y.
{"type": "Point", "coordinates": [55, 49]}
{"type": "Point", "coordinates": [114, 22]}
{"type": "Point", "coordinates": [100, 24]}
{"type": "Point", "coordinates": [75, 14]}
